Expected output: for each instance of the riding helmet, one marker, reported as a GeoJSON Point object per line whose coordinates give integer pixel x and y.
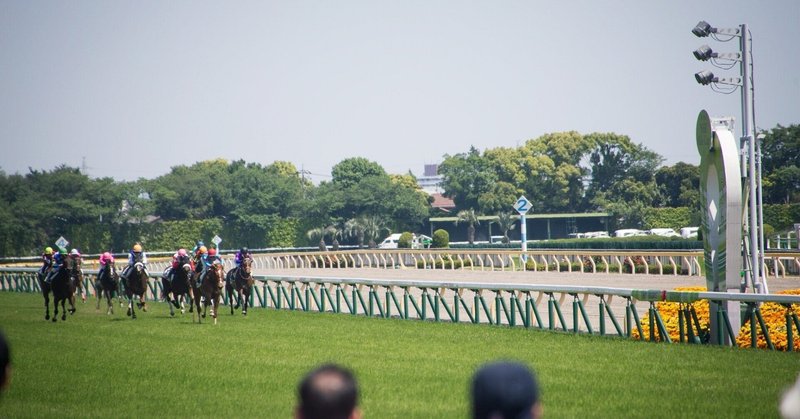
{"type": "Point", "coordinates": [137, 247]}
{"type": "Point", "coordinates": [48, 250]}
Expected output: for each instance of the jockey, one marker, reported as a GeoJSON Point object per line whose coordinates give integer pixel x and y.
{"type": "Point", "coordinates": [59, 259]}
{"type": "Point", "coordinates": [106, 260]}
{"type": "Point", "coordinates": [169, 273]}
{"type": "Point", "coordinates": [135, 256]}
{"type": "Point", "coordinates": [47, 260]}
{"type": "Point", "coordinates": [198, 256]}
{"type": "Point", "coordinates": [208, 260]}
{"type": "Point", "coordinates": [241, 255]}
{"type": "Point", "coordinates": [75, 256]}
{"type": "Point", "coordinates": [196, 250]}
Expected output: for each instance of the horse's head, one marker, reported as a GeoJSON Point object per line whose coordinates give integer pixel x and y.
{"type": "Point", "coordinates": [187, 267]}
{"type": "Point", "coordinates": [217, 272]}
{"type": "Point", "coordinates": [247, 265]}
{"type": "Point", "coordinates": [139, 266]}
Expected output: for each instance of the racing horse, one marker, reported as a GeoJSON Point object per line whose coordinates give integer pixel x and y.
{"type": "Point", "coordinates": [210, 290]}
{"type": "Point", "coordinates": [136, 284]}
{"type": "Point", "coordinates": [179, 287]}
{"type": "Point", "coordinates": [239, 285]}
{"type": "Point", "coordinates": [63, 286]}
{"type": "Point", "coordinates": [106, 285]}
{"type": "Point", "coordinates": [45, 287]}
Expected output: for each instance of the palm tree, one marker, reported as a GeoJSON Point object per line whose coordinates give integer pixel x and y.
{"type": "Point", "coordinates": [335, 233]}
{"type": "Point", "coordinates": [506, 222]}
{"type": "Point", "coordinates": [354, 227]}
{"type": "Point", "coordinates": [318, 233]}
{"type": "Point", "coordinates": [470, 217]}
{"type": "Point", "coordinates": [373, 227]}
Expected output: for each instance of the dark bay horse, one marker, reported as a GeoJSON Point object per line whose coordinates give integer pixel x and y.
{"type": "Point", "coordinates": [239, 285]}
{"type": "Point", "coordinates": [179, 287]}
{"type": "Point", "coordinates": [210, 290]}
{"type": "Point", "coordinates": [45, 287]}
{"type": "Point", "coordinates": [106, 285]}
{"type": "Point", "coordinates": [136, 284]}
{"type": "Point", "coordinates": [63, 286]}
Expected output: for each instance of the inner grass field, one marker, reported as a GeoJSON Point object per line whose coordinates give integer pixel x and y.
{"type": "Point", "coordinates": [94, 365]}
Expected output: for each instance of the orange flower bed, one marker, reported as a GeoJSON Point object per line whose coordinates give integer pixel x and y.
{"type": "Point", "coordinates": [669, 314]}
{"type": "Point", "coordinates": [775, 318]}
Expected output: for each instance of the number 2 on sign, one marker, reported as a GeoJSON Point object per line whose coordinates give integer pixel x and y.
{"type": "Point", "coordinates": [522, 205]}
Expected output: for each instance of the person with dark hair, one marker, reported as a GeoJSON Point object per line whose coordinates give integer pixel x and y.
{"type": "Point", "coordinates": [505, 390]}
{"type": "Point", "coordinates": [328, 392]}
{"type": "Point", "coordinates": [5, 363]}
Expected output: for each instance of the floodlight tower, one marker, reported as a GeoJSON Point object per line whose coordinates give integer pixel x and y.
{"type": "Point", "coordinates": [750, 149]}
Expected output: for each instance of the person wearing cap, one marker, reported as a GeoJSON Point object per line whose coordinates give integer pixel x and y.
{"type": "Point", "coordinates": [169, 273]}
{"type": "Point", "coordinates": [106, 260]}
{"type": "Point", "coordinates": [136, 255]}
{"type": "Point", "coordinates": [241, 255]}
{"type": "Point", "coordinates": [197, 251]}
{"type": "Point", "coordinates": [207, 260]}
{"type": "Point", "coordinates": [328, 392]}
{"type": "Point", "coordinates": [505, 390]}
{"type": "Point", "coordinates": [47, 261]}
{"type": "Point", "coordinates": [59, 261]}
{"type": "Point", "coordinates": [75, 257]}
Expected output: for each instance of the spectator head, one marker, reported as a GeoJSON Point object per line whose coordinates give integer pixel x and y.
{"type": "Point", "coordinates": [505, 390]}
{"type": "Point", "coordinates": [790, 402]}
{"type": "Point", "coordinates": [328, 392]}
{"type": "Point", "coordinates": [5, 363]}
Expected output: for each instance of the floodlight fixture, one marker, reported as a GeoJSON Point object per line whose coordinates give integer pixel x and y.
{"type": "Point", "coordinates": [702, 29]}
{"type": "Point", "coordinates": [704, 77]}
{"type": "Point", "coordinates": [703, 53]}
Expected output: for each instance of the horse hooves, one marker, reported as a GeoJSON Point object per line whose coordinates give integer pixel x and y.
{"type": "Point", "coordinates": [129, 312]}
{"type": "Point", "coordinates": [176, 304]}
{"type": "Point", "coordinates": [172, 314]}
{"type": "Point", "coordinates": [64, 317]}
{"type": "Point", "coordinates": [183, 311]}
{"type": "Point", "coordinates": [144, 308]}
{"type": "Point", "coordinates": [72, 311]}
{"type": "Point", "coordinates": [134, 316]}
{"type": "Point", "coordinates": [55, 319]}
{"type": "Point", "coordinates": [244, 313]}
{"type": "Point", "coordinates": [47, 317]}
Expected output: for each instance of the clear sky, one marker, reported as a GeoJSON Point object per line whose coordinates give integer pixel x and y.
{"type": "Point", "coordinates": [136, 87]}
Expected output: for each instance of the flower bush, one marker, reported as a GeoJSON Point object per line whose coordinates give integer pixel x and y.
{"type": "Point", "coordinates": [774, 315]}
{"type": "Point", "coordinates": [669, 313]}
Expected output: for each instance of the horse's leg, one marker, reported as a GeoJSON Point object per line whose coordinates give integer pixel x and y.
{"type": "Point", "coordinates": [215, 307]}
{"type": "Point", "coordinates": [46, 294]}
{"type": "Point", "coordinates": [231, 295]}
{"type": "Point", "coordinates": [109, 297]}
{"type": "Point", "coordinates": [242, 296]}
{"type": "Point", "coordinates": [55, 308]}
{"type": "Point", "coordinates": [64, 308]}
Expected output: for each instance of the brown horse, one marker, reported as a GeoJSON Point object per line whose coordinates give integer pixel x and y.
{"type": "Point", "coordinates": [63, 286]}
{"type": "Point", "coordinates": [136, 284]}
{"type": "Point", "coordinates": [240, 280]}
{"type": "Point", "coordinates": [106, 285]}
{"type": "Point", "coordinates": [45, 287]}
{"type": "Point", "coordinates": [77, 275]}
{"type": "Point", "coordinates": [179, 287]}
{"type": "Point", "coordinates": [210, 290]}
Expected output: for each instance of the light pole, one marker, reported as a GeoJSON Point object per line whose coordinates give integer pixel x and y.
{"type": "Point", "coordinates": [750, 157]}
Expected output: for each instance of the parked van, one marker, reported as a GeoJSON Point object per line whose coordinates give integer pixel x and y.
{"type": "Point", "coordinates": [689, 232]}
{"type": "Point", "coordinates": [663, 232]}
{"type": "Point", "coordinates": [390, 242]}
{"type": "Point", "coordinates": [418, 241]}
{"type": "Point", "coordinates": [595, 234]}
{"type": "Point", "coordinates": [629, 232]}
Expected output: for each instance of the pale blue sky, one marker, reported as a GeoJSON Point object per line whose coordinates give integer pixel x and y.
{"type": "Point", "coordinates": [397, 82]}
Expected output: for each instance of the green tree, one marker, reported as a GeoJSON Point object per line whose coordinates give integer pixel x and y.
{"type": "Point", "coordinates": [466, 177]}
{"type": "Point", "coordinates": [349, 172]}
{"type": "Point", "coordinates": [781, 164]}
{"type": "Point", "coordinates": [679, 185]}
{"type": "Point", "coordinates": [471, 218]}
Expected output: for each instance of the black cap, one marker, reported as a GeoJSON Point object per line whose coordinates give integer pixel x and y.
{"type": "Point", "coordinates": [504, 389]}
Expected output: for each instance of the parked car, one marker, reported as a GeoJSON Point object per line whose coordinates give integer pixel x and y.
{"type": "Point", "coordinates": [689, 232]}
{"type": "Point", "coordinates": [390, 242]}
{"type": "Point", "coordinates": [595, 234]}
{"type": "Point", "coordinates": [663, 232]}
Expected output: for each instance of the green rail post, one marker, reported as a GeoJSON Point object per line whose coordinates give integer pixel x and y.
{"type": "Point", "coordinates": [585, 316]}
{"type": "Point", "coordinates": [753, 336]}
{"type": "Point", "coordinates": [424, 306]}
{"type": "Point", "coordinates": [456, 307]}
{"type": "Point", "coordinates": [397, 305]}
{"type": "Point", "coordinates": [307, 306]}
{"type": "Point", "coordinates": [476, 306]}
{"type": "Point", "coordinates": [498, 317]}
{"type": "Point", "coordinates": [388, 312]}
{"type": "Point", "coordinates": [361, 299]}
{"type": "Point", "coordinates": [531, 306]}
{"type": "Point", "coordinates": [575, 313]}
{"type": "Point", "coordinates": [440, 300]}
{"type": "Point", "coordinates": [681, 327]}
{"type": "Point", "coordinates": [698, 335]}
{"type": "Point", "coordinates": [371, 302]}
{"type": "Point", "coordinates": [551, 312]}
{"type": "Point", "coordinates": [602, 315]}
{"type": "Point", "coordinates": [614, 320]}
{"type": "Point", "coordinates": [353, 297]}
{"type": "Point", "coordinates": [405, 302]}
{"type": "Point", "coordinates": [338, 292]}
{"type": "Point", "coordinates": [466, 309]}
{"type": "Point", "coordinates": [789, 336]}
{"type": "Point", "coordinates": [652, 311]}
{"type": "Point", "coordinates": [560, 315]}
{"type": "Point", "coordinates": [764, 329]}
{"type": "Point", "coordinates": [486, 309]}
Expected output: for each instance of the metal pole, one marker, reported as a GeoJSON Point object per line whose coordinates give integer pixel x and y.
{"type": "Point", "coordinates": [748, 128]}
{"type": "Point", "coordinates": [524, 238]}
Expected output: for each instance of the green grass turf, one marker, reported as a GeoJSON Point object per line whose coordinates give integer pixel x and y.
{"type": "Point", "coordinates": [94, 365]}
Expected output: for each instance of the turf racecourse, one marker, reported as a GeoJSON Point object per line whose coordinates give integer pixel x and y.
{"type": "Point", "coordinates": [94, 365]}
